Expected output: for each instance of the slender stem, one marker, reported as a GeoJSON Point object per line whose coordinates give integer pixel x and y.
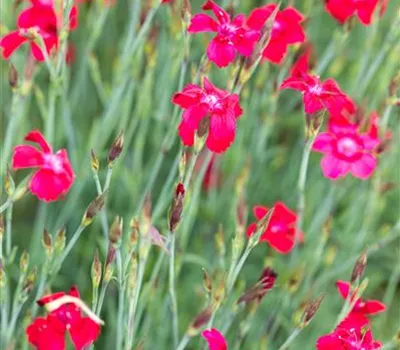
{"type": "Point", "coordinates": [70, 244]}
{"type": "Point", "coordinates": [289, 340]}
{"type": "Point", "coordinates": [103, 290]}
{"type": "Point", "coordinates": [121, 299]}
{"type": "Point", "coordinates": [172, 293]}
{"type": "Point", "coordinates": [9, 229]}
{"type": "Point", "coordinates": [5, 205]}
{"type": "Point", "coordinates": [40, 289]}
{"type": "Point", "coordinates": [235, 273]}
{"type": "Point", "coordinates": [184, 342]}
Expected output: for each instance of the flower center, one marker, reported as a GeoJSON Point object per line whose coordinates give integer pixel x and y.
{"type": "Point", "coordinates": [347, 146]}
{"type": "Point", "coordinates": [53, 162]}
{"type": "Point", "coordinates": [213, 101]}
{"type": "Point", "coordinates": [317, 89]}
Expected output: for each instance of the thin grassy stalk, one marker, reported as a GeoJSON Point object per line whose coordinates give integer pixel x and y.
{"type": "Point", "coordinates": [121, 302]}
{"type": "Point", "coordinates": [9, 229]}
{"type": "Point", "coordinates": [291, 338]}
{"type": "Point", "coordinates": [172, 293]}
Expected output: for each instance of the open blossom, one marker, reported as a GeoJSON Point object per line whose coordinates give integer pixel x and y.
{"type": "Point", "coordinates": [347, 150]}
{"type": "Point", "coordinates": [46, 333]}
{"type": "Point", "coordinates": [342, 10]}
{"type": "Point", "coordinates": [215, 339]}
{"type": "Point", "coordinates": [281, 230]}
{"type": "Point", "coordinates": [286, 31]}
{"type": "Point", "coordinates": [54, 176]}
{"type": "Point", "coordinates": [354, 333]}
{"type": "Point", "coordinates": [41, 18]}
{"type": "Point", "coordinates": [365, 307]}
{"type": "Point", "coordinates": [232, 34]}
{"type": "Point", "coordinates": [221, 107]}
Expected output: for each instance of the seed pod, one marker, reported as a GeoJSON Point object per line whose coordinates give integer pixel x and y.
{"type": "Point", "coordinates": [47, 243]}
{"type": "Point", "coordinates": [24, 261]}
{"type": "Point", "coordinates": [115, 232]}
{"type": "Point", "coordinates": [176, 209]}
{"type": "Point", "coordinates": [96, 270]}
{"type": "Point", "coordinates": [92, 210]}
{"type": "Point", "coordinates": [359, 267]}
{"type": "Point", "coordinates": [59, 243]}
{"type": "Point", "coordinates": [12, 76]}
{"type": "Point", "coordinates": [95, 163]}
{"type": "Point", "coordinates": [311, 309]}
{"type": "Point", "coordinates": [200, 320]}
{"type": "Point", "coordinates": [116, 149]}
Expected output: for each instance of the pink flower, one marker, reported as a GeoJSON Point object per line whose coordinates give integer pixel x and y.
{"type": "Point", "coordinates": [346, 150]}
{"type": "Point", "coordinates": [215, 339]}
{"type": "Point", "coordinates": [40, 16]}
{"type": "Point", "coordinates": [49, 333]}
{"type": "Point", "coordinates": [354, 333]}
{"type": "Point", "coordinates": [342, 10]}
{"type": "Point", "coordinates": [286, 30]}
{"type": "Point", "coordinates": [54, 176]}
{"type": "Point", "coordinates": [221, 107]}
{"type": "Point", "coordinates": [318, 95]}
{"type": "Point", "coordinates": [365, 307]}
{"type": "Point", "coordinates": [232, 35]}
{"type": "Point", "coordinates": [281, 230]}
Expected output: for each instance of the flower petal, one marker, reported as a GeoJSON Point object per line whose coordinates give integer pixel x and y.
{"type": "Point", "coordinates": [215, 339]}
{"type": "Point", "coordinates": [259, 16]}
{"type": "Point", "coordinates": [11, 42]}
{"type": "Point", "coordinates": [189, 96]}
{"type": "Point", "coordinates": [295, 83]}
{"type": "Point", "coordinates": [221, 52]}
{"type": "Point", "coordinates": [333, 168]}
{"type": "Point", "coordinates": [364, 167]}
{"type": "Point", "coordinates": [372, 307]}
{"type": "Point", "coordinates": [341, 10]}
{"type": "Point", "coordinates": [44, 336]}
{"type": "Point", "coordinates": [251, 229]}
{"type": "Point", "coordinates": [365, 11]}
{"type": "Point", "coordinates": [275, 51]}
{"type": "Point", "coordinates": [222, 131]}
{"type": "Point", "coordinates": [283, 214]}
{"type": "Point", "coordinates": [219, 12]}
{"type": "Point", "coordinates": [190, 122]}
{"type": "Point", "coordinates": [26, 156]}
{"type": "Point", "coordinates": [281, 243]}
{"type": "Point", "coordinates": [260, 211]}
{"type": "Point", "coordinates": [323, 143]}
{"type": "Point", "coordinates": [245, 42]}
{"type": "Point", "coordinates": [202, 23]}
{"type": "Point", "coordinates": [37, 137]}
{"type": "Point", "coordinates": [343, 288]}
{"type": "Point", "coordinates": [84, 332]}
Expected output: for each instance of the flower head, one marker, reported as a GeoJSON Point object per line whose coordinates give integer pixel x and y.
{"type": "Point", "coordinates": [286, 30]}
{"type": "Point", "coordinates": [215, 339]}
{"type": "Point", "coordinates": [54, 176]}
{"type": "Point", "coordinates": [49, 332]}
{"type": "Point", "coordinates": [232, 34]}
{"type": "Point", "coordinates": [365, 307]}
{"type": "Point", "coordinates": [346, 150]}
{"type": "Point", "coordinates": [342, 10]}
{"type": "Point", "coordinates": [221, 107]}
{"type": "Point", "coordinates": [353, 333]}
{"type": "Point", "coordinates": [281, 230]}
{"type": "Point", "coordinates": [38, 19]}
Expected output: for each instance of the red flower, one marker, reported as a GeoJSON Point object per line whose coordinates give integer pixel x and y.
{"type": "Point", "coordinates": [220, 106]}
{"type": "Point", "coordinates": [41, 17]}
{"type": "Point", "coordinates": [281, 230]}
{"type": "Point", "coordinates": [49, 333]}
{"type": "Point", "coordinates": [353, 333]}
{"type": "Point", "coordinates": [286, 30]}
{"type": "Point", "coordinates": [342, 10]}
{"type": "Point", "coordinates": [55, 175]}
{"type": "Point", "coordinates": [215, 339]}
{"type": "Point", "coordinates": [232, 35]}
{"type": "Point", "coordinates": [319, 95]}
{"type": "Point", "coordinates": [365, 307]}
{"type": "Point", "coordinates": [301, 67]}
{"type": "Point", "coordinates": [347, 150]}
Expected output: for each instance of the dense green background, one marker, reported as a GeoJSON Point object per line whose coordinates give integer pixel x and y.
{"type": "Point", "coordinates": [269, 141]}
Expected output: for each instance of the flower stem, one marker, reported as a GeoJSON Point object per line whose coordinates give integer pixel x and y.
{"type": "Point", "coordinates": [172, 293]}
{"type": "Point", "coordinates": [289, 340]}
{"type": "Point", "coordinates": [121, 299]}
{"type": "Point", "coordinates": [9, 229]}
{"type": "Point", "coordinates": [70, 245]}
{"type": "Point", "coordinates": [184, 342]}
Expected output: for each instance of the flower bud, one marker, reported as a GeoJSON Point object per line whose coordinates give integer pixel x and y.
{"type": "Point", "coordinates": [108, 273]}
{"type": "Point", "coordinates": [59, 243]}
{"type": "Point", "coordinates": [200, 320]}
{"type": "Point", "coordinates": [92, 210]}
{"type": "Point", "coordinates": [175, 212]}
{"type": "Point", "coordinates": [95, 163]}
{"type": "Point", "coordinates": [134, 235]}
{"type": "Point", "coordinates": [313, 124]}
{"type": "Point", "coordinates": [133, 274]}
{"type": "Point", "coordinates": [219, 293]}
{"type": "Point", "coordinates": [96, 270]}
{"type": "Point", "coordinates": [24, 261]}
{"type": "Point", "coordinates": [9, 184]}
{"type": "Point", "coordinates": [311, 309]}
{"type": "Point", "coordinates": [110, 254]}
{"type": "Point", "coordinates": [12, 76]}
{"type": "Point", "coordinates": [207, 281]}
{"type": "Point", "coordinates": [116, 149]}
{"type": "Point", "coordinates": [115, 232]}
{"type": "Point", "coordinates": [47, 243]}
{"type": "Point", "coordinates": [359, 267]}
{"type": "Point", "coordinates": [29, 281]}
{"type": "Point", "coordinates": [261, 227]}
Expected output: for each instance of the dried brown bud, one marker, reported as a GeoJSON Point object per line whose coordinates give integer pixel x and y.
{"type": "Point", "coordinates": [200, 320]}
{"type": "Point", "coordinates": [265, 283]}
{"type": "Point", "coordinates": [116, 149]}
{"type": "Point", "coordinates": [134, 235]}
{"type": "Point", "coordinates": [29, 282]}
{"type": "Point", "coordinates": [96, 270]}
{"type": "Point", "coordinates": [12, 76]}
{"type": "Point", "coordinates": [110, 254]}
{"type": "Point", "coordinates": [95, 162]}
{"type": "Point", "coordinates": [359, 267]}
{"type": "Point", "coordinates": [311, 309]}
{"type": "Point", "coordinates": [203, 126]}
{"type": "Point", "coordinates": [94, 207]}
{"type": "Point", "coordinates": [59, 243]}
{"type": "Point", "coordinates": [47, 243]}
{"type": "Point", "coordinates": [24, 261]}
{"type": "Point", "coordinates": [115, 232]}
{"type": "Point", "coordinates": [176, 209]}
{"type": "Point", "coordinates": [207, 281]}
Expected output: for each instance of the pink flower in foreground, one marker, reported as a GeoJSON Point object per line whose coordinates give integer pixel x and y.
{"type": "Point", "coordinates": [54, 176]}
{"type": "Point", "coordinates": [42, 18]}
{"type": "Point", "coordinates": [346, 150]}
{"type": "Point", "coordinates": [342, 10]}
{"type": "Point", "coordinates": [215, 339]}
{"type": "Point", "coordinates": [49, 333]}
{"type": "Point", "coordinates": [232, 34]}
{"type": "Point", "coordinates": [281, 230]}
{"type": "Point", "coordinates": [354, 333]}
{"type": "Point", "coordinates": [221, 107]}
{"type": "Point", "coordinates": [365, 307]}
{"type": "Point", "coordinates": [286, 30]}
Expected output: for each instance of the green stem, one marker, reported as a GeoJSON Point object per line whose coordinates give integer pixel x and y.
{"type": "Point", "coordinates": [70, 245]}
{"type": "Point", "coordinates": [289, 340]}
{"type": "Point", "coordinates": [184, 342]}
{"type": "Point", "coordinates": [172, 293]}
{"type": "Point", "coordinates": [8, 230]}
{"type": "Point", "coordinates": [121, 299]}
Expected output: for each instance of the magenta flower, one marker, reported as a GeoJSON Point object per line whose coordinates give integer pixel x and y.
{"type": "Point", "coordinates": [232, 35]}
{"type": "Point", "coordinates": [342, 10]}
{"type": "Point", "coordinates": [215, 339]}
{"type": "Point", "coordinates": [346, 150]}
{"type": "Point", "coordinates": [220, 106]}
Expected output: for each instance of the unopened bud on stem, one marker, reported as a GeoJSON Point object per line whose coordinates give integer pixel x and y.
{"type": "Point", "coordinates": [311, 309]}
{"type": "Point", "coordinates": [116, 149]}
{"type": "Point", "coordinates": [96, 270]}
{"type": "Point", "coordinates": [24, 261]}
{"type": "Point", "coordinates": [92, 210]}
{"type": "Point", "coordinates": [115, 232]}
{"type": "Point", "coordinates": [175, 212]}
{"type": "Point", "coordinates": [59, 243]}
{"type": "Point", "coordinates": [12, 76]}
{"type": "Point", "coordinates": [200, 320]}
{"type": "Point", "coordinates": [359, 267]}
{"type": "Point", "coordinates": [47, 243]}
{"type": "Point", "coordinates": [95, 163]}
